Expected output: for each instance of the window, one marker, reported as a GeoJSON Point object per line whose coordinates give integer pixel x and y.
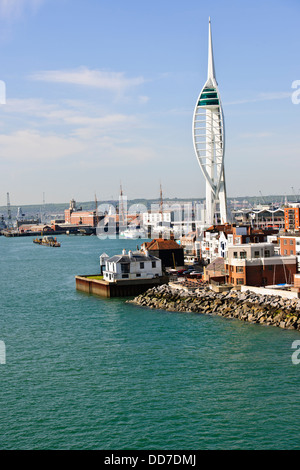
{"type": "Point", "coordinates": [267, 253]}
{"type": "Point", "coordinates": [256, 254]}
{"type": "Point", "coordinates": [240, 281]}
{"type": "Point", "coordinates": [291, 242]}
{"type": "Point", "coordinates": [142, 265]}
{"type": "Point", "coordinates": [239, 269]}
{"type": "Point", "coordinates": [235, 254]}
{"type": "Point", "coordinates": [138, 274]}
{"type": "Point", "coordinates": [243, 254]}
{"type": "Point", "coordinates": [292, 252]}
{"type": "Point", "coordinates": [124, 276]}
{"type": "Point", "coordinates": [153, 264]}
{"type": "Point", "coordinates": [285, 241]}
{"type": "Point", "coordinates": [125, 268]}
{"type": "Point", "coordinates": [285, 252]}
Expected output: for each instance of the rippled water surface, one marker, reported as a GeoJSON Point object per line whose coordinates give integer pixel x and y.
{"type": "Point", "coordinates": [83, 372]}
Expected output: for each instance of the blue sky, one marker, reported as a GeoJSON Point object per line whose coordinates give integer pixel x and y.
{"type": "Point", "coordinates": [103, 91]}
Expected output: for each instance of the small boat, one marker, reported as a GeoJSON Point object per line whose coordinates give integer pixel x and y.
{"type": "Point", "coordinates": [133, 232]}
{"type": "Point", "coordinates": [48, 241]}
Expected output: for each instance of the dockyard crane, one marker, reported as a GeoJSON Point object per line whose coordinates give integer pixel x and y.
{"type": "Point", "coordinates": [263, 199]}
{"type": "Point", "coordinates": [8, 209]}
{"type": "Point", "coordinates": [96, 213]}
{"type": "Point", "coordinates": [296, 196]}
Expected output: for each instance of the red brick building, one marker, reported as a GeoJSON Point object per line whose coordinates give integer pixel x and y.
{"type": "Point", "coordinates": [76, 216]}
{"type": "Point", "coordinates": [257, 265]}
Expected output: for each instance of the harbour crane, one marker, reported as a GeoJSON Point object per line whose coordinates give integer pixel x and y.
{"type": "Point", "coordinates": [96, 212]}
{"type": "Point", "coordinates": [263, 199]}
{"type": "Point", "coordinates": [8, 209]}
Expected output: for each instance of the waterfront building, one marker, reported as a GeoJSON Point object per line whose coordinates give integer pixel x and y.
{"type": "Point", "coordinates": [132, 266]}
{"type": "Point", "coordinates": [209, 143]}
{"type": "Point", "coordinates": [216, 239]}
{"type": "Point", "coordinates": [256, 264]}
{"type": "Point", "coordinates": [169, 251]}
{"type": "Point", "coordinates": [290, 245]}
{"type": "Point", "coordinates": [103, 259]}
{"type": "Point", "coordinates": [76, 216]}
{"type": "Point", "coordinates": [38, 228]}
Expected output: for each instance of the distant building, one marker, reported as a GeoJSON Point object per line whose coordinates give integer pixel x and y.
{"type": "Point", "coordinates": [169, 251]}
{"type": "Point", "coordinates": [74, 216]}
{"type": "Point", "coordinates": [39, 228]}
{"type": "Point", "coordinates": [257, 265]}
{"type": "Point", "coordinates": [264, 217]}
{"type": "Point", "coordinates": [292, 218]}
{"type": "Point", "coordinates": [191, 247]}
{"type": "Point", "coordinates": [131, 266]}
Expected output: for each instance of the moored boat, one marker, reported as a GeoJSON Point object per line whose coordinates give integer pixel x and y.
{"type": "Point", "coordinates": [48, 241]}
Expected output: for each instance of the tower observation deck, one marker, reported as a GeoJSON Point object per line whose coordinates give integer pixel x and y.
{"type": "Point", "coordinates": [209, 143]}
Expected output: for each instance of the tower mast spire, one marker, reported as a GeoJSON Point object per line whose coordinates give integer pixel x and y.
{"type": "Point", "coordinates": [211, 66]}
{"type": "Point", "coordinates": [209, 142]}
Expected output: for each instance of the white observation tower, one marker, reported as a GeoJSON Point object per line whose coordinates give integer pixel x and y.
{"type": "Point", "coordinates": [209, 143]}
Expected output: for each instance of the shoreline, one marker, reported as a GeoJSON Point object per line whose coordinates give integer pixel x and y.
{"type": "Point", "coordinates": [271, 310]}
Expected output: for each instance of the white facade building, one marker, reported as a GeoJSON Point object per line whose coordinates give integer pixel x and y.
{"type": "Point", "coordinates": [132, 266]}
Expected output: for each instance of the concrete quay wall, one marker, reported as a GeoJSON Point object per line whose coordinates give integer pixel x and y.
{"type": "Point", "coordinates": [115, 289]}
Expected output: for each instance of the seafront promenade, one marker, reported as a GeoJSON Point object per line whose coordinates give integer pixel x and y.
{"type": "Point", "coordinates": [270, 310]}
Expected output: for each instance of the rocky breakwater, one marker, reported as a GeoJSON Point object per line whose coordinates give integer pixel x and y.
{"type": "Point", "coordinates": [247, 306]}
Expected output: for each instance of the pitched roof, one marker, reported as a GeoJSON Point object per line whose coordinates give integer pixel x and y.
{"type": "Point", "coordinates": [216, 265]}
{"type": "Point", "coordinates": [135, 257]}
{"type": "Point", "coordinates": [162, 244]}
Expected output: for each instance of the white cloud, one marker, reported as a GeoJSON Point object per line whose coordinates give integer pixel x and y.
{"type": "Point", "coordinates": [143, 99]}
{"type": "Point", "coordinates": [106, 80]}
{"type": "Point", "coordinates": [92, 136]}
{"type": "Point", "coordinates": [74, 117]}
{"type": "Point", "coordinates": [28, 146]}
{"type": "Point", "coordinates": [13, 9]}
{"type": "Point", "coordinates": [267, 96]}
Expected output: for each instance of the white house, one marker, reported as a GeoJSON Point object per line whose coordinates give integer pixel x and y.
{"type": "Point", "coordinates": [132, 266]}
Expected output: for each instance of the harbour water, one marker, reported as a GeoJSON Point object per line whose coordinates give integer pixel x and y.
{"type": "Point", "coordinates": [83, 372]}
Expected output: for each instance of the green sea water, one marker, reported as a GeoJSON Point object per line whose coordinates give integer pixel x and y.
{"type": "Point", "coordinates": [83, 372]}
